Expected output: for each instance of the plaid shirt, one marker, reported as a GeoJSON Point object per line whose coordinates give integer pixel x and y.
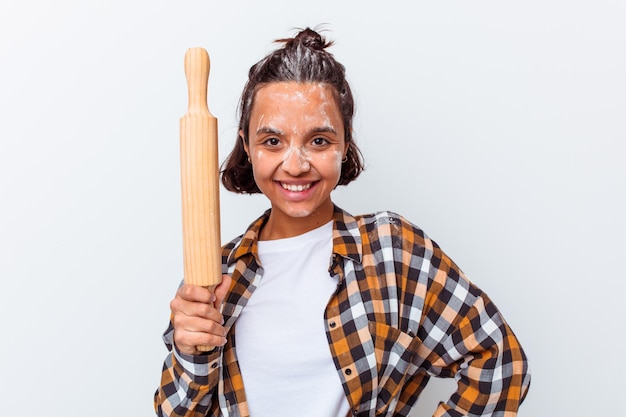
{"type": "Point", "coordinates": [402, 312]}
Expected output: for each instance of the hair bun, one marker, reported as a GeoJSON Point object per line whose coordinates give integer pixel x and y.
{"type": "Point", "coordinates": [307, 38]}
{"type": "Point", "coordinates": [311, 39]}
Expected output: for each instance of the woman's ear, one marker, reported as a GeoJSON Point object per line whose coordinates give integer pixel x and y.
{"type": "Point", "coordinates": [346, 150]}
{"type": "Point", "coordinates": [349, 143]}
{"type": "Point", "coordinates": [245, 145]}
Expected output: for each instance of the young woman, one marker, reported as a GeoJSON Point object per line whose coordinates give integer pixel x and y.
{"type": "Point", "coordinates": [321, 313]}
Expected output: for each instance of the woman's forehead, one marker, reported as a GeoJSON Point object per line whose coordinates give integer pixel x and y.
{"type": "Point", "coordinates": [291, 105]}
{"type": "Point", "coordinates": [292, 90]}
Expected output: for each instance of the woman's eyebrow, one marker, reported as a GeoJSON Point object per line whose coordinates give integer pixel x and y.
{"type": "Point", "coordinates": [324, 129]}
{"type": "Point", "coordinates": [274, 131]}
{"type": "Point", "coordinates": [267, 129]}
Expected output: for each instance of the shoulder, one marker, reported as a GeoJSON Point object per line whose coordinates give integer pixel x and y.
{"type": "Point", "coordinates": [384, 228]}
{"type": "Point", "coordinates": [389, 223]}
{"type": "Point", "coordinates": [228, 247]}
{"type": "Point", "coordinates": [244, 244]}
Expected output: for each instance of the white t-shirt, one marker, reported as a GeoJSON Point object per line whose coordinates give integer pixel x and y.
{"type": "Point", "coordinates": [280, 339]}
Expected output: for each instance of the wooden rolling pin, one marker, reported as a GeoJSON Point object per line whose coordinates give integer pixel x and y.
{"type": "Point", "coordinates": [200, 180]}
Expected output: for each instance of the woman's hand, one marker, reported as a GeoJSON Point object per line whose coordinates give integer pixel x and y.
{"type": "Point", "coordinates": [196, 316]}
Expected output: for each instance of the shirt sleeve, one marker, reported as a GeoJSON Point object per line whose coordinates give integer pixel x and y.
{"type": "Point", "coordinates": [466, 337]}
{"type": "Point", "coordinates": [187, 382]}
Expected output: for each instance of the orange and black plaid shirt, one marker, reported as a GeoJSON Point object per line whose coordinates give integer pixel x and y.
{"type": "Point", "coordinates": [402, 312]}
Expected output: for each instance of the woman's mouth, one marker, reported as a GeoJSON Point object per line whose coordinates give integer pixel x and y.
{"type": "Point", "coordinates": [295, 188]}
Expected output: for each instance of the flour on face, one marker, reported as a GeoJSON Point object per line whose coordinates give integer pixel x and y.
{"type": "Point", "coordinates": [296, 144]}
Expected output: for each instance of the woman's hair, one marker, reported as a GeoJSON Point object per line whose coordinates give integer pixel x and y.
{"type": "Point", "coordinates": [302, 59]}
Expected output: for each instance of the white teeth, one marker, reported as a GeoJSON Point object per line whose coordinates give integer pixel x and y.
{"type": "Point", "coordinates": [295, 188]}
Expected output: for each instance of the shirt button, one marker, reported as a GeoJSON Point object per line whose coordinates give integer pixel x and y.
{"type": "Point", "coordinates": [214, 365]}
{"type": "Point", "coordinates": [348, 371]}
{"type": "Point", "coordinates": [332, 324]}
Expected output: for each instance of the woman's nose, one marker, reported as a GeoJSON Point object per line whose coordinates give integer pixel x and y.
{"type": "Point", "coordinates": [295, 162]}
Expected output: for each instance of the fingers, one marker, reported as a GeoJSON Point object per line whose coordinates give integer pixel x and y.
{"type": "Point", "coordinates": [196, 321]}
{"type": "Point", "coordinates": [190, 333]}
{"type": "Point", "coordinates": [222, 289]}
{"type": "Point", "coordinates": [195, 293]}
{"type": "Point", "coordinates": [183, 308]}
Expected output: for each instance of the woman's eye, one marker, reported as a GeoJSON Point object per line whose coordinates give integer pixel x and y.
{"type": "Point", "coordinates": [320, 141]}
{"type": "Point", "coordinates": [272, 141]}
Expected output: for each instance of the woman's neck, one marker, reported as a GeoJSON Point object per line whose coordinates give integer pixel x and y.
{"type": "Point", "coordinates": [280, 226]}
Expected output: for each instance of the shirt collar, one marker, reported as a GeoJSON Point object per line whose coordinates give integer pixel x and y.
{"type": "Point", "coordinates": [346, 237]}
{"type": "Point", "coordinates": [249, 241]}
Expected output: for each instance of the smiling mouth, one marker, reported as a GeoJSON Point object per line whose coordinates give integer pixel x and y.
{"type": "Point", "coordinates": [295, 188]}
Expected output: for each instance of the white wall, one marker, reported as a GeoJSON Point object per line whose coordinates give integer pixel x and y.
{"type": "Point", "coordinates": [498, 127]}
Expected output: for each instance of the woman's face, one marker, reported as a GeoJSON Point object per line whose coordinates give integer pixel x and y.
{"type": "Point", "coordinates": [296, 144]}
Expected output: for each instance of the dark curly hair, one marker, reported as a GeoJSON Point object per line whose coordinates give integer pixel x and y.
{"type": "Point", "coordinates": [301, 59]}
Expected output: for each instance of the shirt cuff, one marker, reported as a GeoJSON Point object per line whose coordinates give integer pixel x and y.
{"type": "Point", "coordinates": [198, 366]}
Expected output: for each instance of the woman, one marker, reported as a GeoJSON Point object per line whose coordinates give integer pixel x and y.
{"type": "Point", "coordinates": [324, 313]}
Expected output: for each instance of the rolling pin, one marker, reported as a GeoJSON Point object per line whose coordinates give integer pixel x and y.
{"type": "Point", "coordinates": [200, 180]}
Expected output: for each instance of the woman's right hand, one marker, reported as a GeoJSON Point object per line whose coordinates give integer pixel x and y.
{"type": "Point", "coordinates": [196, 316]}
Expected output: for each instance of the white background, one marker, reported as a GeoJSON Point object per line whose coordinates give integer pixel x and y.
{"type": "Point", "coordinates": [497, 127]}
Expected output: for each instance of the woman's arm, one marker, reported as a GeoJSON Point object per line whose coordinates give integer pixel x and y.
{"type": "Point", "coordinates": [189, 378]}
{"type": "Point", "coordinates": [187, 382]}
{"type": "Point", "coordinates": [469, 340]}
